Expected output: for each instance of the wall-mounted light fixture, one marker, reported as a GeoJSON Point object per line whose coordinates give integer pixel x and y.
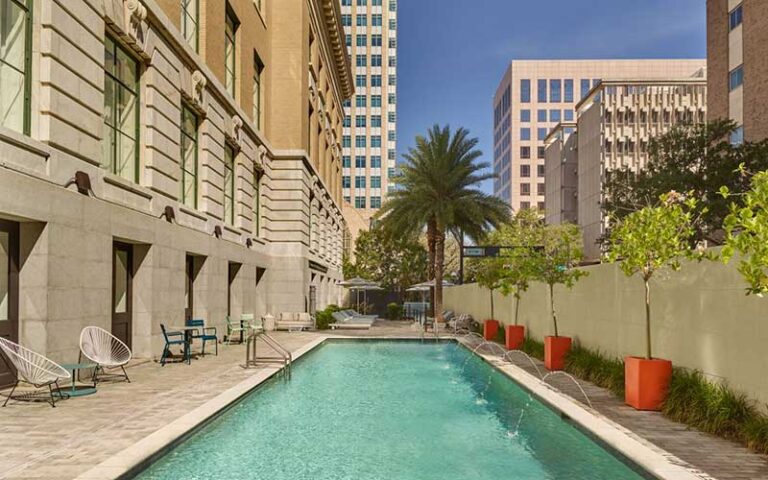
{"type": "Point", "coordinates": [169, 213]}
{"type": "Point", "coordinates": [82, 181]}
{"type": "Point", "coordinates": [248, 242]}
{"type": "Point", "coordinates": [217, 231]}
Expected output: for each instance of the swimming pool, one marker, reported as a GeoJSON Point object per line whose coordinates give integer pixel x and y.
{"type": "Point", "coordinates": [370, 410]}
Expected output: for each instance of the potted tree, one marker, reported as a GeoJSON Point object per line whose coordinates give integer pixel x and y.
{"type": "Point", "coordinates": [554, 264]}
{"type": "Point", "coordinates": [488, 275]}
{"type": "Point", "coordinates": [645, 242]}
{"type": "Point", "coordinates": [746, 229]}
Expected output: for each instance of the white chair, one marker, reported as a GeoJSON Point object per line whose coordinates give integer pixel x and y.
{"type": "Point", "coordinates": [105, 350]}
{"type": "Point", "coordinates": [32, 368]}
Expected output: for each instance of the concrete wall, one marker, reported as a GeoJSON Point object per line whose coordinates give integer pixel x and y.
{"type": "Point", "coordinates": [701, 319]}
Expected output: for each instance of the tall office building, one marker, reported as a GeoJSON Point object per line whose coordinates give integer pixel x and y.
{"type": "Point", "coordinates": [370, 134]}
{"type": "Point", "coordinates": [536, 95]}
{"type": "Point", "coordinates": [737, 42]}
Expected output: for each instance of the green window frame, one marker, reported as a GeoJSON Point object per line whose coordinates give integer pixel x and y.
{"type": "Point", "coordinates": [189, 156]}
{"type": "Point", "coordinates": [120, 144]}
{"type": "Point", "coordinates": [190, 21]}
{"type": "Point", "coordinates": [258, 69]}
{"type": "Point", "coordinates": [229, 184]}
{"type": "Point", "coordinates": [15, 64]}
{"type": "Point", "coordinates": [258, 174]}
{"type": "Point", "coordinates": [230, 51]}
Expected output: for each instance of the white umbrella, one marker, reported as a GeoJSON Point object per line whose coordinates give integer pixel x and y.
{"type": "Point", "coordinates": [359, 284]}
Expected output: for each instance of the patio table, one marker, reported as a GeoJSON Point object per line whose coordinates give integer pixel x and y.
{"type": "Point", "coordinates": [76, 390]}
{"type": "Point", "coordinates": [188, 331]}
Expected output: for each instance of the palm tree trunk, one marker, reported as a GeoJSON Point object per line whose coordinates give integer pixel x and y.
{"type": "Point", "coordinates": [439, 258]}
{"type": "Point", "coordinates": [552, 306]}
{"type": "Point", "coordinates": [431, 234]}
{"type": "Point", "coordinates": [648, 321]}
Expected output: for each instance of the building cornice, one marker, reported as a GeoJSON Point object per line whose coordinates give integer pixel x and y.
{"type": "Point", "coordinates": [674, 82]}
{"type": "Point", "coordinates": [333, 33]}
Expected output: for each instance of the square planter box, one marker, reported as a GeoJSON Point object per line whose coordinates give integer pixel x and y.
{"type": "Point", "coordinates": [555, 349]}
{"type": "Point", "coordinates": [514, 336]}
{"type": "Point", "coordinates": [490, 329]}
{"type": "Point", "coordinates": [646, 382]}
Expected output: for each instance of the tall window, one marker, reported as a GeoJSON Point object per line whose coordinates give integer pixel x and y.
{"type": "Point", "coordinates": [568, 84]}
{"type": "Point", "coordinates": [542, 90]}
{"type": "Point", "coordinates": [189, 126]}
{"type": "Point", "coordinates": [230, 51]}
{"type": "Point", "coordinates": [189, 21]}
{"type": "Point", "coordinates": [525, 90]}
{"type": "Point", "coordinates": [121, 111]}
{"type": "Point", "coordinates": [229, 184]}
{"type": "Point", "coordinates": [735, 17]}
{"type": "Point", "coordinates": [15, 36]}
{"type": "Point", "coordinates": [584, 87]}
{"type": "Point", "coordinates": [257, 176]}
{"type": "Point", "coordinates": [736, 78]}
{"type": "Point", "coordinates": [555, 92]}
{"type": "Point", "coordinates": [258, 68]}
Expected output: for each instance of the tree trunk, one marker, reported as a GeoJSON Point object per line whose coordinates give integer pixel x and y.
{"type": "Point", "coordinates": [517, 306]}
{"type": "Point", "coordinates": [431, 238]}
{"type": "Point", "coordinates": [493, 317]}
{"type": "Point", "coordinates": [552, 306]}
{"type": "Point", "coordinates": [647, 321]}
{"type": "Point", "coordinates": [439, 258]}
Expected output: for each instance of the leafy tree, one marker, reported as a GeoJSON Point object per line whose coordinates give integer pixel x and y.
{"type": "Point", "coordinates": [653, 239]}
{"type": "Point", "coordinates": [746, 230]}
{"type": "Point", "coordinates": [439, 191]}
{"type": "Point", "coordinates": [554, 263]}
{"type": "Point", "coordinates": [394, 262]}
{"type": "Point", "coordinates": [689, 158]}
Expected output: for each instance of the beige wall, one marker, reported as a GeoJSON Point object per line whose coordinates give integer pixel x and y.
{"type": "Point", "coordinates": [701, 319]}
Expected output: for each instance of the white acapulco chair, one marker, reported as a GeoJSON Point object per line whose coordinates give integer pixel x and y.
{"type": "Point", "coordinates": [105, 350]}
{"type": "Point", "coordinates": [32, 368]}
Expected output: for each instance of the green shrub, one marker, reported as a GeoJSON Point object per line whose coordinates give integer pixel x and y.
{"type": "Point", "coordinates": [394, 311]}
{"type": "Point", "coordinates": [596, 368]}
{"type": "Point", "coordinates": [533, 348]}
{"type": "Point", "coordinates": [499, 338]}
{"type": "Point", "coordinates": [324, 318]}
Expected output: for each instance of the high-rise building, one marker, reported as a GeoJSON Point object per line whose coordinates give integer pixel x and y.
{"type": "Point", "coordinates": [370, 132]}
{"type": "Point", "coordinates": [534, 96]}
{"type": "Point", "coordinates": [616, 122]}
{"type": "Point", "coordinates": [161, 160]}
{"type": "Point", "coordinates": [737, 64]}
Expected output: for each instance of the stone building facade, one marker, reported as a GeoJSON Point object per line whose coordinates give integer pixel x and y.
{"type": "Point", "coordinates": [161, 160]}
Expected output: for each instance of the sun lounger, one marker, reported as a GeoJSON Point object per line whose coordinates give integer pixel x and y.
{"type": "Point", "coordinates": [345, 320]}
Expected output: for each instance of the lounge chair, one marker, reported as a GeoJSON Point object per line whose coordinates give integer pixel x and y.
{"type": "Point", "coordinates": [205, 334]}
{"type": "Point", "coordinates": [105, 350]}
{"type": "Point", "coordinates": [32, 368]}
{"type": "Point", "coordinates": [360, 315]}
{"type": "Point", "coordinates": [294, 321]}
{"type": "Point", "coordinates": [174, 338]}
{"type": "Point", "coordinates": [235, 327]}
{"type": "Point", "coordinates": [345, 320]}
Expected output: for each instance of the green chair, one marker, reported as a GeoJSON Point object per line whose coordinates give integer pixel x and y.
{"type": "Point", "coordinates": [235, 327]}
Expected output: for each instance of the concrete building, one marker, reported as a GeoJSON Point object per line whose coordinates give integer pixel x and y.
{"type": "Point", "coordinates": [615, 123]}
{"type": "Point", "coordinates": [161, 160]}
{"type": "Point", "coordinates": [534, 96]}
{"type": "Point", "coordinates": [561, 163]}
{"type": "Point", "coordinates": [370, 129]}
{"type": "Point", "coordinates": [737, 42]}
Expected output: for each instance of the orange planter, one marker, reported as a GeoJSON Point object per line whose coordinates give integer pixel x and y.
{"type": "Point", "coordinates": [555, 349]}
{"type": "Point", "coordinates": [490, 329]}
{"type": "Point", "coordinates": [646, 382]}
{"type": "Point", "coordinates": [515, 334]}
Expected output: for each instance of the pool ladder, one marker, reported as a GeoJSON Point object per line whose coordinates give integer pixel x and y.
{"type": "Point", "coordinates": [252, 359]}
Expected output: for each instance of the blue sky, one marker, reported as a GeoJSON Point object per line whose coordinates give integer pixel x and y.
{"type": "Point", "coordinates": [452, 53]}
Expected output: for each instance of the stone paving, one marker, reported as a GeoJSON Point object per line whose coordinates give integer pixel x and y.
{"type": "Point", "coordinates": [40, 442]}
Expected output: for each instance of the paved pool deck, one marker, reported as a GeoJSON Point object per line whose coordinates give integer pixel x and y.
{"type": "Point", "coordinates": [40, 442]}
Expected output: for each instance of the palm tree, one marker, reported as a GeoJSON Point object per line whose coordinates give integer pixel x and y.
{"type": "Point", "coordinates": [438, 191]}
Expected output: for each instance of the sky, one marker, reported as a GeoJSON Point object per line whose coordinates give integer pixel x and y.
{"type": "Point", "coordinates": [453, 53]}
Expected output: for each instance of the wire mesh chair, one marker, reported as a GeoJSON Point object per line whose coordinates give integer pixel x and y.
{"type": "Point", "coordinates": [32, 368]}
{"type": "Point", "coordinates": [105, 350]}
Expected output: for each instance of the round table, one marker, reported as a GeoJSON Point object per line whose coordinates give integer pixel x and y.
{"type": "Point", "coordinates": [76, 390]}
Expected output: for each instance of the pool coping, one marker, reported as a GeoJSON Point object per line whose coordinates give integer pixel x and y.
{"type": "Point", "coordinates": [646, 455]}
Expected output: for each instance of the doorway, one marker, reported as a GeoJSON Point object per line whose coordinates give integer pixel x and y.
{"type": "Point", "coordinates": [189, 288]}
{"type": "Point", "coordinates": [122, 292]}
{"type": "Point", "coordinates": [9, 292]}
{"type": "Point", "coordinates": [234, 268]}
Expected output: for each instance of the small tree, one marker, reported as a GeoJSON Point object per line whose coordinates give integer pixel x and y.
{"type": "Point", "coordinates": [518, 269]}
{"type": "Point", "coordinates": [654, 239]}
{"type": "Point", "coordinates": [554, 262]}
{"type": "Point", "coordinates": [746, 230]}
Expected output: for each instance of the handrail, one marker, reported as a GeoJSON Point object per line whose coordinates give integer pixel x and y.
{"type": "Point", "coordinates": [285, 357]}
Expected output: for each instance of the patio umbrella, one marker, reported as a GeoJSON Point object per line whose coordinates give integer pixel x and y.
{"type": "Point", "coordinates": [425, 287]}
{"type": "Point", "coordinates": [356, 284]}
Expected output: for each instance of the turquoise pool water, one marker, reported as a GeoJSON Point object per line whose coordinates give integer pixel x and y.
{"type": "Point", "coordinates": [370, 410]}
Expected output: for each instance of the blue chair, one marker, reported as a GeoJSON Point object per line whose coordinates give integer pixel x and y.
{"type": "Point", "coordinates": [204, 333]}
{"type": "Point", "coordinates": [174, 338]}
